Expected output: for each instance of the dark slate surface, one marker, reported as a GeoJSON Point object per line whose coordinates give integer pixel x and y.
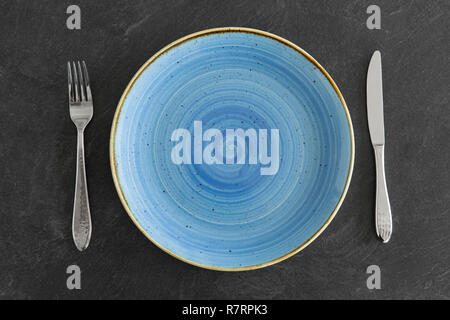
{"type": "Point", "coordinates": [37, 160]}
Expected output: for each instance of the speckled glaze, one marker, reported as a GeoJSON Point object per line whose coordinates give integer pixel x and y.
{"type": "Point", "coordinates": [229, 217]}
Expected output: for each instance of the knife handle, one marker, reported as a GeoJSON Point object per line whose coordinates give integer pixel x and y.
{"type": "Point", "coordinates": [383, 217]}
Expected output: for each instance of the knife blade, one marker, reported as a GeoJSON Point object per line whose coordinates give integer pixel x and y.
{"type": "Point", "coordinates": [383, 215]}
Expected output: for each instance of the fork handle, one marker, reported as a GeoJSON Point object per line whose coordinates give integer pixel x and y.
{"type": "Point", "coordinates": [383, 217]}
{"type": "Point", "coordinates": [81, 221]}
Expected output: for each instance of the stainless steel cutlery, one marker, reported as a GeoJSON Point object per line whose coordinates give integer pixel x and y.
{"type": "Point", "coordinates": [81, 111]}
{"type": "Point", "coordinates": [383, 217]}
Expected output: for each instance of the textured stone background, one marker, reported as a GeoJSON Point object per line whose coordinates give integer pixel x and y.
{"type": "Point", "coordinates": [37, 160]}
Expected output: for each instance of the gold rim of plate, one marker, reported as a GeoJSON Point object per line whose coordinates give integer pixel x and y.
{"type": "Point", "coordinates": [166, 49]}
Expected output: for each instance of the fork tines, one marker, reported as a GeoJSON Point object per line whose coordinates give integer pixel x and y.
{"type": "Point", "coordinates": [79, 86]}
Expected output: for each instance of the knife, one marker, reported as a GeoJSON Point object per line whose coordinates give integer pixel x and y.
{"type": "Point", "coordinates": [383, 217]}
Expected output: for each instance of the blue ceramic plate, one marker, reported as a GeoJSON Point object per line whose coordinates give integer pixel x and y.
{"type": "Point", "coordinates": [232, 149]}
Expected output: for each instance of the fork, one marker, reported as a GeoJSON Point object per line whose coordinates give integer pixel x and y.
{"type": "Point", "coordinates": [81, 111]}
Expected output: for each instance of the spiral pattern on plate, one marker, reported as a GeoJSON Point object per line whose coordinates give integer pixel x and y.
{"type": "Point", "coordinates": [229, 216]}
